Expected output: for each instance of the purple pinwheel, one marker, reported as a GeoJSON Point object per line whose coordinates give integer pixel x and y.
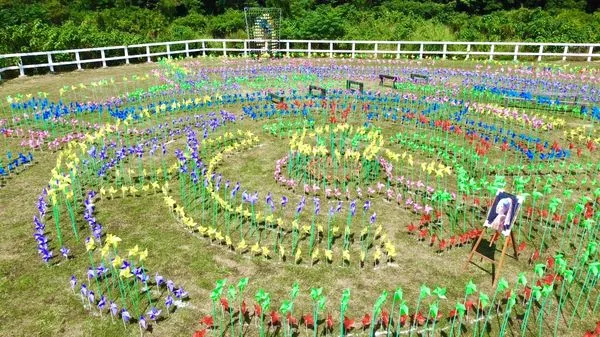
{"type": "Point", "coordinates": [46, 254]}
{"type": "Point", "coordinates": [101, 270]}
{"type": "Point", "coordinates": [284, 201]}
{"type": "Point", "coordinates": [373, 218]}
{"type": "Point", "coordinates": [170, 285]}
{"type": "Point", "coordinates": [73, 282]}
{"type": "Point", "coordinates": [64, 251]}
{"type": "Point", "coordinates": [252, 199]}
{"type": "Point", "coordinates": [317, 203]}
{"type": "Point", "coordinates": [367, 205]}
{"type": "Point", "coordinates": [159, 280]}
{"type": "Point", "coordinates": [91, 297]}
{"type": "Point", "coordinates": [153, 313]}
{"type": "Point", "coordinates": [113, 309]}
{"type": "Point", "coordinates": [338, 208]}
{"type": "Point", "coordinates": [331, 212]}
{"type": "Point", "coordinates": [353, 207]}
{"type": "Point", "coordinates": [142, 322]}
{"type": "Point", "coordinates": [180, 293]}
{"type": "Point", "coordinates": [102, 303]}
{"type": "Point", "coordinates": [83, 290]}
{"type": "Point", "coordinates": [91, 273]}
{"type": "Point", "coordinates": [125, 316]}
{"type": "Point", "coordinates": [169, 302]}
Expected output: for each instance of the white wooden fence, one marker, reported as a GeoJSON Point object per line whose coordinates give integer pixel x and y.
{"type": "Point", "coordinates": [107, 56]}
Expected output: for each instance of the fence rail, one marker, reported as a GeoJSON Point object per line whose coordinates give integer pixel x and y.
{"type": "Point", "coordinates": [106, 56]}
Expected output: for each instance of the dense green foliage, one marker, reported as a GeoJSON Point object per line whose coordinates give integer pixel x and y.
{"type": "Point", "coordinates": [29, 25]}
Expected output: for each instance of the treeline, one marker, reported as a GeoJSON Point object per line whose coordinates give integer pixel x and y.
{"type": "Point", "coordinates": [29, 25]}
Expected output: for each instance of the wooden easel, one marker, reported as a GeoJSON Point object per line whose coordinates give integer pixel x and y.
{"type": "Point", "coordinates": [508, 239]}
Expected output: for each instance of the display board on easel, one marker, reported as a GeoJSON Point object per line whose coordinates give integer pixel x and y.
{"type": "Point", "coordinates": [263, 26]}
{"type": "Point", "coordinates": [501, 217]}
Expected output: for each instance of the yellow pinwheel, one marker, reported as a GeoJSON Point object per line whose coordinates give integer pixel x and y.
{"type": "Point", "coordinates": [90, 244]}
{"type": "Point", "coordinates": [125, 273]}
{"type": "Point", "coordinates": [112, 240]}
{"type": "Point", "coordinates": [133, 251]}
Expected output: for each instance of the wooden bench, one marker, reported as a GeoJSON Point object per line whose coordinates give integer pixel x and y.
{"type": "Point", "coordinates": [350, 84]}
{"type": "Point", "coordinates": [389, 77]}
{"type": "Point", "coordinates": [314, 87]}
{"type": "Point", "coordinates": [419, 77]}
{"type": "Point", "coordinates": [568, 99]}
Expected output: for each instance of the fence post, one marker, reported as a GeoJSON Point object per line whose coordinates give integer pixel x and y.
{"type": "Point", "coordinates": [565, 51]}
{"type": "Point", "coordinates": [515, 57]}
{"type": "Point", "coordinates": [492, 52]}
{"type": "Point", "coordinates": [224, 48]}
{"type": "Point", "coordinates": [103, 57]}
{"type": "Point", "coordinates": [468, 51]}
{"type": "Point", "coordinates": [287, 48]}
{"type": "Point", "coordinates": [330, 49]}
{"type": "Point", "coordinates": [353, 48]}
{"type": "Point", "coordinates": [309, 48]}
{"type": "Point", "coordinates": [421, 51]}
{"type": "Point", "coordinates": [245, 48]}
{"type": "Point", "coordinates": [126, 55]}
{"type": "Point", "coordinates": [21, 69]}
{"type": "Point", "coordinates": [203, 48]}
{"type": "Point", "coordinates": [376, 50]}
{"type": "Point", "coordinates": [540, 53]}
{"type": "Point", "coordinates": [591, 52]}
{"type": "Point", "coordinates": [398, 51]}
{"type": "Point", "coordinates": [444, 51]}
{"type": "Point", "coordinates": [78, 60]}
{"type": "Point", "coordinates": [168, 51]}
{"type": "Point", "coordinates": [187, 49]}
{"type": "Point", "coordinates": [50, 64]}
{"type": "Point", "coordinates": [148, 59]}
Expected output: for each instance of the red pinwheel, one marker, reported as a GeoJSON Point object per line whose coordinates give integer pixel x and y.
{"type": "Point", "coordinates": [527, 293]}
{"type": "Point", "coordinates": [504, 146]}
{"type": "Point", "coordinates": [292, 321]}
{"type": "Point", "coordinates": [550, 262]}
{"type": "Point", "coordinates": [452, 314]}
{"type": "Point", "coordinates": [308, 320]}
{"type": "Point", "coordinates": [443, 244]}
{"type": "Point", "coordinates": [366, 321]}
{"type": "Point", "coordinates": [411, 227]}
{"type": "Point", "coordinates": [425, 218]}
{"type": "Point", "coordinates": [419, 318]}
{"type": "Point", "coordinates": [225, 304]}
{"type": "Point", "coordinates": [535, 256]}
{"type": "Point", "coordinates": [199, 333]}
{"type": "Point", "coordinates": [385, 318]}
{"type": "Point", "coordinates": [433, 240]}
{"type": "Point", "coordinates": [591, 146]}
{"type": "Point", "coordinates": [423, 233]}
{"type": "Point", "coordinates": [244, 309]}
{"type": "Point", "coordinates": [208, 321]}
{"type": "Point", "coordinates": [521, 247]}
{"type": "Point", "coordinates": [275, 318]}
{"type": "Point", "coordinates": [329, 322]}
{"type": "Point", "coordinates": [348, 324]}
{"type": "Point", "coordinates": [469, 305]}
{"type": "Point", "coordinates": [403, 319]}
{"type": "Point", "coordinates": [257, 310]}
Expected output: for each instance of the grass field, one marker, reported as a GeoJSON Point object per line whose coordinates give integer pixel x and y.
{"type": "Point", "coordinates": [36, 299]}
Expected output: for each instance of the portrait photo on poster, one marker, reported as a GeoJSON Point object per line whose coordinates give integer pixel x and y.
{"type": "Point", "coordinates": [503, 212]}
